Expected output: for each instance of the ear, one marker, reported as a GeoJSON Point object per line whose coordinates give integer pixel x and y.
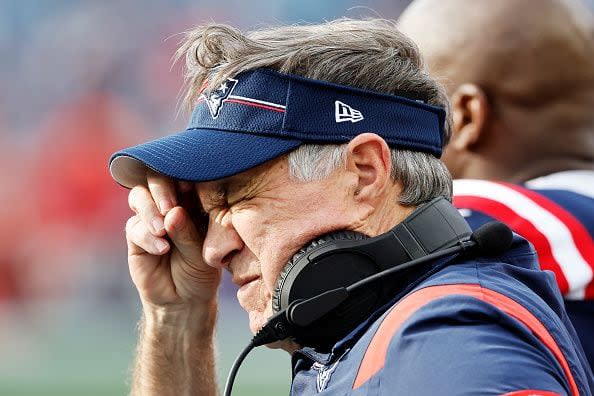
{"type": "Point", "coordinates": [368, 157]}
{"type": "Point", "coordinates": [470, 109]}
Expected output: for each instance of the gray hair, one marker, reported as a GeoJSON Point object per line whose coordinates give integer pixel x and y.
{"type": "Point", "coordinates": [368, 54]}
{"type": "Point", "coordinates": [421, 175]}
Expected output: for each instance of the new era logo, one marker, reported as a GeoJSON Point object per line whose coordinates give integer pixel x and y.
{"type": "Point", "coordinates": [343, 112]}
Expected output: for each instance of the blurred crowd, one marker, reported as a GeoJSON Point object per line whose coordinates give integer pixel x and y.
{"type": "Point", "coordinates": [82, 82]}
{"type": "Point", "coordinates": [79, 80]}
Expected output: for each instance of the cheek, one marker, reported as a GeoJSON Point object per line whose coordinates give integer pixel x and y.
{"type": "Point", "coordinates": [273, 239]}
{"type": "Point", "coordinates": [254, 228]}
{"type": "Point", "coordinates": [275, 232]}
{"type": "Point", "coordinates": [264, 226]}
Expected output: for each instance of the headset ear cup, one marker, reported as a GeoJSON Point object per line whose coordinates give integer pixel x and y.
{"type": "Point", "coordinates": [282, 284]}
{"type": "Point", "coordinates": [278, 287]}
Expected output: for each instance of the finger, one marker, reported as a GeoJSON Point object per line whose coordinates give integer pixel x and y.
{"type": "Point", "coordinates": [162, 189]}
{"type": "Point", "coordinates": [141, 240]}
{"type": "Point", "coordinates": [183, 234]}
{"type": "Point", "coordinates": [141, 202]}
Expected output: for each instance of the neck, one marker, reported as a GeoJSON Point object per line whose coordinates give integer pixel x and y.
{"type": "Point", "coordinates": [384, 213]}
{"type": "Point", "coordinates": [526, 144]}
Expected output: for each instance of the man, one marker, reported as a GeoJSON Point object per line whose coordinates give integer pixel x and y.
{"type": "Point", "coordinates": [328, 133]}
{"type": "Point", "coordinates": [521, 81]}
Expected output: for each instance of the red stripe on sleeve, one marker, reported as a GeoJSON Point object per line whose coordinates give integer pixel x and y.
{"type": "Point", "coordinates": [516, 222]}
{"type": "Point", "coordinates": [580, 235]}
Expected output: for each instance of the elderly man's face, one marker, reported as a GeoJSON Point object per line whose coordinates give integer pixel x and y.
{"type": "Point", "coordinates": [258, 219]}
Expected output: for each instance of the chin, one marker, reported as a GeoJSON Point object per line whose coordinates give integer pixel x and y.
{"type": "Point", "coordinates": [257, 321]}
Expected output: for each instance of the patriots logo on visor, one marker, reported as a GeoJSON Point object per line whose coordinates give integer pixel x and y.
{"type": "Point", "coordinates": [215, 99]}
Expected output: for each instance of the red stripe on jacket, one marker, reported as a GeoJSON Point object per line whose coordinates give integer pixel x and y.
{"type": "Point", "coordinates": [375, 356]}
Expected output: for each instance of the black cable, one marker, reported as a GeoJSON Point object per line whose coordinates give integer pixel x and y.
{"type": "Point", "coordinates": [235, 368]}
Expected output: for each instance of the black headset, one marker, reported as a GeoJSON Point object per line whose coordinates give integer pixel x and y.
{"type": "Point", "coordinates": [343, 258]}
{"type": "Point", "coordinates": [330, 286]}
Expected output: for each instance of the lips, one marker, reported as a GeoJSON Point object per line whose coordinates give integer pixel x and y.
{"type": "Point", "coordinates": [244, 280]}
{"type": "Point", "coordinates": [249, 289]}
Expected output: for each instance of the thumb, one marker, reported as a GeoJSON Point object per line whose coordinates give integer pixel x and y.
{"type": "Point", "coordinates": [184, 235]}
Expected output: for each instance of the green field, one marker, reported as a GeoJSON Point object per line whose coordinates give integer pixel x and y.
{"type": "Point", "coordinates": [57, 349]}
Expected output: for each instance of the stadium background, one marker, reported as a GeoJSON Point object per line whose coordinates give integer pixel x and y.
{"type": "Point", "coordinates": [78, 80]}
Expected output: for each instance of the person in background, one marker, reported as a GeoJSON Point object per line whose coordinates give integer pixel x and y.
{"type": "Point", "coordinates": [520, 77]}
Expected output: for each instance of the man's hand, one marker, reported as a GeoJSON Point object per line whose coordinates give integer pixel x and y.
{"type": "Point", "coordinates": [165, 248]}
{"type": "Point", "coordinates": [175, 354]}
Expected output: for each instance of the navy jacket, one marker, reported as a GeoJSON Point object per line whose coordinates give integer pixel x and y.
{"type": "Point", "coordinates": [464, 327]}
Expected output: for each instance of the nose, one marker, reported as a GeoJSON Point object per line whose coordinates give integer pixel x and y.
{"type": "Point", "coordinates": [222, 241]}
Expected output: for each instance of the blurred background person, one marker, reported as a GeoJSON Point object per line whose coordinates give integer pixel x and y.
{"type": "Point", "coordinates": [520, 75]}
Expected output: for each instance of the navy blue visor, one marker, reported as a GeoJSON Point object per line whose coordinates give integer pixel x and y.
{"type": "Point", "coordinates": [261, 114]}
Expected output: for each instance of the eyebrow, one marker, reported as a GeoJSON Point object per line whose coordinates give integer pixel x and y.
{"type": "Point", "coordinates": [230, 186]}
{"type": "Point", "coordinates": [246, 186]}
{"type": "Point", "coordinates": [216, 199]}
